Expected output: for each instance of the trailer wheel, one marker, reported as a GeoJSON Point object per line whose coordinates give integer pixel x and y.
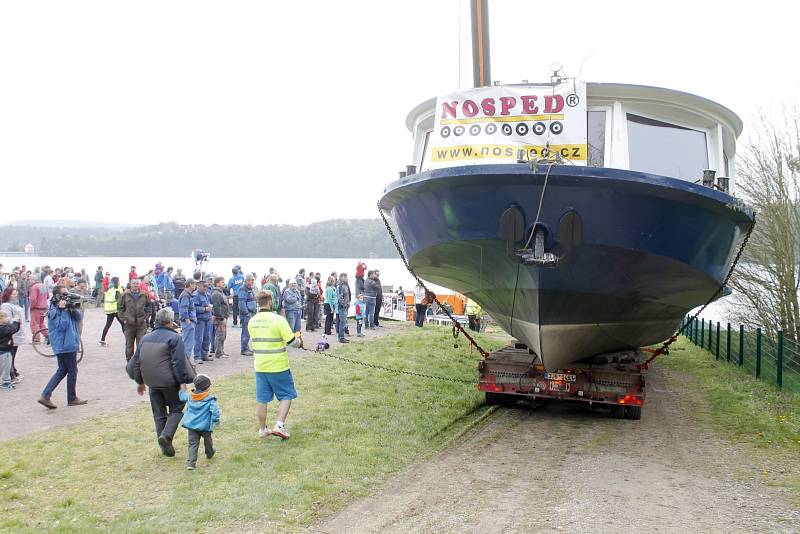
{"type": "Point", "coordinates": [633, 412]}
{"type": "Point", "coordinates": [618, 411]}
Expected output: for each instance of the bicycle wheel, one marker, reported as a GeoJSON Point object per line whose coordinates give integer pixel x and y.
{"type": "Point", "coordinates": [44, 348]}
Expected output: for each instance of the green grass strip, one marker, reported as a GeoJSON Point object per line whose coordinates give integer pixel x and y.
{"type": "Point", "coordinates": [351, 428]}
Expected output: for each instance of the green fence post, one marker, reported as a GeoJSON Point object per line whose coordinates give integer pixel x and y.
{"type": "Point", "coordinates": [728, 345]}
{"type": "Point", "coordinates": [717, 352]}
{"type": "Point", "coordinates": [710, 334]}
{"type": "Point", "coordinates": [694, 331]}
{"type": "Point", "coordinates": [741, 345]}
{"type": "Point", "coordinates": [702, 333]}
{"type": "Point", "coordinates": [758, 352]}
{"type": "Point", "coordinates": [779, 363]}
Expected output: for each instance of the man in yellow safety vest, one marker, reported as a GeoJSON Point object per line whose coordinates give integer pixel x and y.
{"type": "Point", "coordinates": [270, 334]}
{"type": "Point", "coordinates": [473, 311]}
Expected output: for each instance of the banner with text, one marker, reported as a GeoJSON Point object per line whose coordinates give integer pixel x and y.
{"type": "Point", "coordinates": [504, 124]}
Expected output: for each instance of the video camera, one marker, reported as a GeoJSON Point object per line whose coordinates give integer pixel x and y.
{"type": "Point", "coordinates": [200, 255]}
{"type": "Point", "coordinates": [73, 301]}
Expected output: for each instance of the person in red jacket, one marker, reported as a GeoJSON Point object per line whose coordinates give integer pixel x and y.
{"type": "Point", "coordinates": [132, 275]}
{"type": "Point", "coordinates": [40, 302]}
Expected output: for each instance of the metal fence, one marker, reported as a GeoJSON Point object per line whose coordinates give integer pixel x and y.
{"type": "Point", "coordinates": [774, 360]}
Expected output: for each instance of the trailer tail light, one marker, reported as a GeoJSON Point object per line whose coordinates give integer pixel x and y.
{"type": "Point", "coordinates": [630, 399]}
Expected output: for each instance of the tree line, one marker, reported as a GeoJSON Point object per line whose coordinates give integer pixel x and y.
{"type": "Point", "coordinates": [337, 238]}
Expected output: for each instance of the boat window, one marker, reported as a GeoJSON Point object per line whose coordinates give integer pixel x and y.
{"type": "Point", "coordinates": [426, 152]}
{"type": "Point", "coordinates": [666, 149]}
{"type": "Point", "coordinates": [596, 137]}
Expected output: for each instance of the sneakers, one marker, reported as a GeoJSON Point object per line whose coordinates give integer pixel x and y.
{"type": "Point", "coordinates": [198, 362]}
{"type": "Point", "coordinates": [344, 340]}
{"type": "Point", "coordinates": [166, 446]}
{"type": "Point", "coordinates": [7, 385]}
{"type": "Point", "coordinates": [264, 432]}
{"type": "Point", "coordinates": [189, 467]}
{"type": "Point", "coordinates": [77, 402]}
{"type": "Point", "coordinates": [47, 403]}
{"type": "Point", "coordinates": [359, 335]}
{"type": "Point", "coordinates": [247, 353]}
{"type": "Point", "coordinates": [281, 432]}
{"type": "Point", "coordinates": [102, 343]}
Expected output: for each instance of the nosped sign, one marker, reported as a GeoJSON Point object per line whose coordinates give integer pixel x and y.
{"type": "Point", "coordinates": [504, 124]}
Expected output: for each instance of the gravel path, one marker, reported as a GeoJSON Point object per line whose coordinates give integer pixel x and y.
{"type": "Point", "coordinates": [566, 468]}
{"type": "Point", "coordinates": [102, 379]}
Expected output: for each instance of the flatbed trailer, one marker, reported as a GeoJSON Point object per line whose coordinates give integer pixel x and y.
{"type": "Point", "coordinates": [616, 380]}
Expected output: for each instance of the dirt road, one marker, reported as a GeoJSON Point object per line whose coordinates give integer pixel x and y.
{"type": "Point", "coordinates": [102, 379]}
{"type": "Point", "coordinates": [566, 468]}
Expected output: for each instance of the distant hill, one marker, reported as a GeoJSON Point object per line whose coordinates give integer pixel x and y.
{"type": "Point", "coordinates": [337, 238]}
{"type": "Point", "coordinates": [73, 224]}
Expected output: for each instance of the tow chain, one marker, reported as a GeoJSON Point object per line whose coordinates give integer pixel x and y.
{"type": "Point", "coordinates": [664, 349]}
{"type": "Point", "coordinates": [456, 324]}
{"type": "Point", "coordinates": [391, 369]}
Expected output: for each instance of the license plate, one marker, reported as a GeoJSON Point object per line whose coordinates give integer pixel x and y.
{"type": "Point", "coordinates": [559, 386]}
{"type": "Point", "coordinates": [560, 376]}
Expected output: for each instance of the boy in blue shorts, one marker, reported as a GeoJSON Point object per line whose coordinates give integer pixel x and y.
{"type": "Point", "coordinates": [270, 334]}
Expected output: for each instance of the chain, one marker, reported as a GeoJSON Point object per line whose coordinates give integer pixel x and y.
{"type": "Point", "coordinates": [664, 349]}
{"type": "Point", "coordinates": [456, 324]}
{"type": "Point", "coordinates": [390, 369]}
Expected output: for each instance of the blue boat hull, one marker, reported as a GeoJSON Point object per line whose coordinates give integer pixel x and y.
{"type": "Point", "coordinates": [636, 251]}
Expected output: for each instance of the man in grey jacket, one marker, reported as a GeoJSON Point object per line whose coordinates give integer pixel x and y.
{"type": "Point", "coordinates": [220, 311]}
{"type": "Point", "coordinates": [160, 364]}
{"type": "Point", "coordinates": [342, 306]}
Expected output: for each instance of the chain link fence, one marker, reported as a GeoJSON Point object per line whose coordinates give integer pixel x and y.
{"type": "Point", "coordinates": [774, 359]}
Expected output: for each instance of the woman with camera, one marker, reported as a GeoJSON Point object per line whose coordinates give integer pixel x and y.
{"type": "Point", "coordinates": [62, 321]}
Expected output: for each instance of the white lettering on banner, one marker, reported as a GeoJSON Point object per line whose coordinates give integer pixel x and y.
{"type": "Point", "coordinates": [502, 124]}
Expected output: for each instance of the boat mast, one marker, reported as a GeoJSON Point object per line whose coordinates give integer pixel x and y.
{"type": "Point", "coordinates": [481, 67]}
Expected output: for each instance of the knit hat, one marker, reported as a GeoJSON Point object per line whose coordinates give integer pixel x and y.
{"type": "Point", "coordinates": [202, 382]}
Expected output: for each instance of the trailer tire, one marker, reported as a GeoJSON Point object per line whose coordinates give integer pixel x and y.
{"type": "Point", "coordinates": [618, 411]}
{"type": "Point", "coordinates": [633, 412]}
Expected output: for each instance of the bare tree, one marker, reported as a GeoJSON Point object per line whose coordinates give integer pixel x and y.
{"type": "Point", "coordinates": [768, 178]}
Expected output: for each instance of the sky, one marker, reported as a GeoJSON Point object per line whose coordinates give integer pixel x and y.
{"type": "Point", "coordinates": [262, 112]}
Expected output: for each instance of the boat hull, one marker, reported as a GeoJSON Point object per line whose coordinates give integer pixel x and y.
{"type": "Point", "coordinates": [635, 251]}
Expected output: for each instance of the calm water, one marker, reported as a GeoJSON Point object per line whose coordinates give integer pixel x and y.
{"type": "Point", "coordinates": [393, 272]}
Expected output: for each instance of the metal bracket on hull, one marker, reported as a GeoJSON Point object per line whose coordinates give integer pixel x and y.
{"type": "Point", "coordinates": [512, 230]}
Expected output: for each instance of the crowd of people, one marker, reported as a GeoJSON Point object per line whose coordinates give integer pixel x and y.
{"type": "Point", "coordinates": [173, 323]}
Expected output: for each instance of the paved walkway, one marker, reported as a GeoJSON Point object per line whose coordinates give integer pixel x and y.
{"type": "Point", "coordinates": [102, 379]}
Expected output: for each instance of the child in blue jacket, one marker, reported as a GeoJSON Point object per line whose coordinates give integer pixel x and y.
{"type": "Point", "coordinates": [200, 419]}
{"type": "Point", "coordinates": [361, 313]}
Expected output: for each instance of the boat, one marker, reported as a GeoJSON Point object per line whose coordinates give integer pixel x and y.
{"type": "Point", "coordinates": [585, 218]}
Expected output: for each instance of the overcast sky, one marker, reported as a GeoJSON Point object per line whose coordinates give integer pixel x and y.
{"type": "Point", "coordinates": [291, 112]}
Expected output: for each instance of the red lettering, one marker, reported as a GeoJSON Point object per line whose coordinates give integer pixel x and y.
{"type": "Point", "coordinates": [449, 109]}
{"type": "Point", "coordinates": [553, 103]}
{"type": "Point", "coordinates": [469, 108]}
{"type": "Point", "coordinates": [487, 105]}
{"type": "Point", "coordinates": [529, 105]}
{"type": "Point", "coordinates": [506, 103]}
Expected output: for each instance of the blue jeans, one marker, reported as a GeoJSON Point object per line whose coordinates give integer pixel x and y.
{"type": "Point", "coordinates": [293, 317]}
{"type": "Point", "coordinates": [25, 302]}
{"type": "Point", "coordinates": [341, 322]}
{"type": "Point", "coordinates": [212, 335]}
{"type": "Point", "coordinates": [67, 366]}
{"type": "Point", "coordinates": [187, 334]}
{"type": "Point", "coordinates": [369, 321]}
{"type": "Point", "coordinates": [244, 319]}
{"type": "Point", "coordinates": [202, 338]}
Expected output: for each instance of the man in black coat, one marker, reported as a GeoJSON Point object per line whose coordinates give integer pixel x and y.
{"type": "Point", "coordinates": [160, 363]}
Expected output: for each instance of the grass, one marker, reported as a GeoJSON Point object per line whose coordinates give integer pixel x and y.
{"type": "Point", "coordinates": [352, 427]}
{"type": "Point", "coordinates": [743, 409]}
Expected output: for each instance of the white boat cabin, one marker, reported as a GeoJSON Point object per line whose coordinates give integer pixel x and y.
{"type": "Point", "coordinates": [649, 129]}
